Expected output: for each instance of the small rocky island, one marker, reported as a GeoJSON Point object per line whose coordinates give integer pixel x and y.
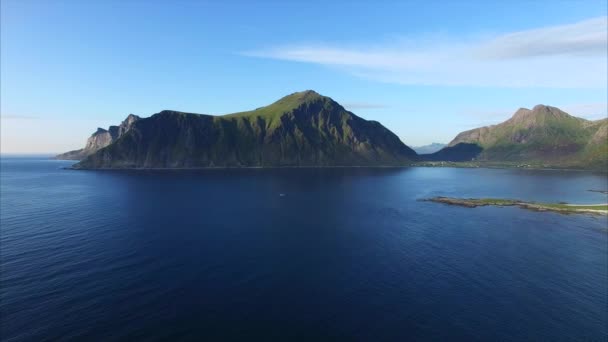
{"type": "Point", "coordinates": [562, 208]}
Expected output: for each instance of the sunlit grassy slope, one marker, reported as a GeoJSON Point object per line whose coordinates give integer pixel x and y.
{"type": "Point", "coordinates": [301, 129]}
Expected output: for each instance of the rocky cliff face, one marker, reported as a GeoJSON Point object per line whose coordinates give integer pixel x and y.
{"type": "Point", "coordinates": [125, 125]}
{"type": "Point", "coordinates": [100, 139]}
{"type": "Point", "coordinates": [302, 129]}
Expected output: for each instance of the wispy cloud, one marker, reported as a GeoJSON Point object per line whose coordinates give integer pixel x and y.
{"type": "Point", "coordinates": [580, 39]}
{"type": "Point", "coordinates": [565, 56]}
{"type": "Point", "coordinates": [18, 117]}
{"type": "Point", "coordinates": [591, 111]}
{"type": "Point", "coordinates": [363, 105]}
{"type": "Point", "coordinates": [476, 117]}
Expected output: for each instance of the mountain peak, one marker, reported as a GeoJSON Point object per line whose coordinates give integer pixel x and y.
{"type": "Point", "coordinates": [291, 102]}
{"type": "Point", "coordinates": [309, 91]}
{"type": "Point", "coordinates": [550, 111]}
{"type": "Point", "coordinates": [541, 108]}
{"type": "Point", "coordinates": [542, 135]}
{"type": "Point", "coordinates": [300, 129]}
{"type": "Point", "coordinates": [303, 96]}
{"type": "Point", "coordinates": [521, 112]}
{"type": "Point", "coordinates": [168, 112]}
{"type": "Point", "coordinates": [537, 112]}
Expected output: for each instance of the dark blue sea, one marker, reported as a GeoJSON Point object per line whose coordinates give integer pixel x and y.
{"type": "Point", "coordinates": [297, 254]}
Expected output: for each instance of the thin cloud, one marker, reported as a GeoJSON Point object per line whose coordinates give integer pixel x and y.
{"type": "Point", "coordinates": [337, 56]}
{"type": "Point", "coordinates": [363, 105]}
{"type": "Point", "coordinates": [588, 37]}
{"type": "Point", "coordinates": [590, 111]}
{"type": "Point", "coordinates": [18, 117]}
{"type": "Point", "coordinates": [566, 56]}
{"type": "Point", "coordinates": [488, 117]}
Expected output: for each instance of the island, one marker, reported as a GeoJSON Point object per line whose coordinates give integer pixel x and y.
{"type": "Point", "coordinates": [562, 208]}
{"type": "Point", "coordinates": [303, 129]}
{"type": "Point", "coordinates": [307, 129]}
{"type": "Point", "coordinates": [543, 137]}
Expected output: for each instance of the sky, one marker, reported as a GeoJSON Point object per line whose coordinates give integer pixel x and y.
{"type": "Point", "coordinates": [426, 70]}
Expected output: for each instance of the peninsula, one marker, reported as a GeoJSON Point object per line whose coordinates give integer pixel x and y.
{"type": "Point", "coordinates": [541, 137]}
{"type": "Point", "coordinates": [562, 208]}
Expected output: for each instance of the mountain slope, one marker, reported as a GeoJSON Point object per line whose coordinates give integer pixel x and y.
{"type": "Point", "coordinates": [461, 152]}
{"type": "Point", "coordinates": [542, 136]}
{"type": "Point", "coordinates": [430, 148]}
{"type": "Point", "coordinates": [302, 129]}
{"type": "Point", "coordinates": [100, 139]}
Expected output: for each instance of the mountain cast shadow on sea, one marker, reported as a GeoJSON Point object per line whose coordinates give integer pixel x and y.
{"type": "Point", "coordinates": [461, 152]}
{"type": "Point", "coordinates": [306, 129]}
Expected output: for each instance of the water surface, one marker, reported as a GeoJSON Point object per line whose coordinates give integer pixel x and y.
{"type": "Point", "coordinates": [297, 254]}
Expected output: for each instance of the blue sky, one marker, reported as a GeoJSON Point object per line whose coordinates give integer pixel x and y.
{"type": "Point", "coordinates": [426, 70]}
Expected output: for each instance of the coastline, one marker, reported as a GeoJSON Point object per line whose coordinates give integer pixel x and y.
{"type": "Point", "coordinates": [472, 165]}
{"type": "Point", "coordinates": [238, 167]}
{"type": "Point", "coordinates": [562, 208]}
{"type": "Point", "coordinates": [344, 167]}
{"type": "Point", "coordinates": [458, 165]}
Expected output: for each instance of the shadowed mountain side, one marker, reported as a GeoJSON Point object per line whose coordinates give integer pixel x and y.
{"type": "Point", "coordinates": [460, 152]}
{"type": "Point", "coordinates": [302, 129]}
{"type": "Point", "coordinates": [544, 136]}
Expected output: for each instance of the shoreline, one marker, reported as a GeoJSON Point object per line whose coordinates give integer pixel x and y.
{"type": "Point", "coordinates": [562, 208]}
{"type": "Point", "coordinates": [468, 165]}
{"type": "Point", "coordinates": [456, 165]}
{"type": "Point", "coordinates": [236, 168]}
{"type": "Point", "coordinates": [340, 167]}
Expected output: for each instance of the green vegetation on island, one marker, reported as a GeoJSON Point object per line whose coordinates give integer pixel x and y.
{"type": "Point", "coordinates": [564, 208]}
{"type": "Point", "coordinates": [302, 129]}
{"type": "Point", "coordinates": [308, 129]}
{"type": "Point", "coordinates": [544, 137]}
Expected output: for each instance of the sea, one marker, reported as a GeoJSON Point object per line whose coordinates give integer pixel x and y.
{"type": "Point", "coordinates": [310, 254]}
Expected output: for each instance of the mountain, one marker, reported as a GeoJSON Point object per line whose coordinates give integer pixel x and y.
{"type": "Point", "coordinates": [301, 129]}
{"type": "Point", "coordinates": [461, 152]}
{"type": "Point", "coordinates": [100, 139]}
{"type": "Point", "coordinates": [542, 136]}
{"type": "Point", "coordinates": [427, 149]}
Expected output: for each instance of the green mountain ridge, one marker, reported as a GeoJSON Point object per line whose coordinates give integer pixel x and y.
{"type": "Point", "coordinates": [544, 135]}
{"type": "Point", "coordinates": [301, 129]}
{"type": "Point", "coordinates": [308, 129]}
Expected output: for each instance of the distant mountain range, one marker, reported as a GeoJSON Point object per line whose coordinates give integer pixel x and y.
{"type": "Point", "coordinates": [302, 129]}
{"type": "Point", "coordinates": [427, 149]}
{"type": "Point", "coordinates": [308, 129]}
{"type": "Point", "coordinates": [542, 136]}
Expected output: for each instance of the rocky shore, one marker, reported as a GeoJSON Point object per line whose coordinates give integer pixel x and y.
{"type": "Point", "coordinates": [563, 208]}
